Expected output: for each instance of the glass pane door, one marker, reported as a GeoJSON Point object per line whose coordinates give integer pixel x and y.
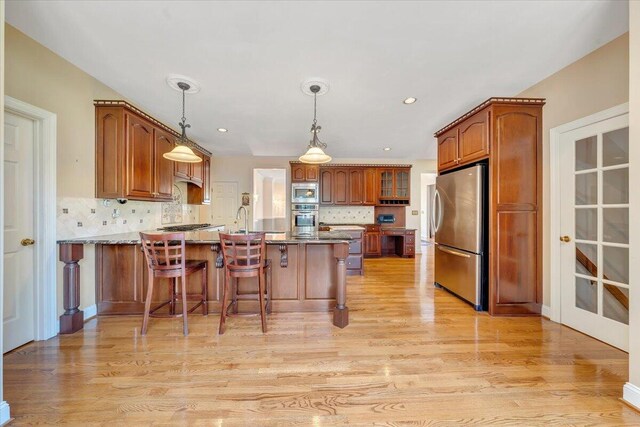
{"type": "Point", "coordinates": [595, 216]}
{"type": "Point", "coordinates": [402, 184]}
{"type": "Point", "coordinates": [386, 184]}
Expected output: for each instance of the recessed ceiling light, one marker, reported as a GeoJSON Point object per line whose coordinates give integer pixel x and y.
{"type": "Point", "coordinates": [410, 100]}
{"type": "Point", "coordinates": [223, 130]}
{"type": "Point", "coordinates": [387, 148]}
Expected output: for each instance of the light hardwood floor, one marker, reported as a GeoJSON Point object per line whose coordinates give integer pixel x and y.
{"type": "Point", "coordinates": [412, 355]}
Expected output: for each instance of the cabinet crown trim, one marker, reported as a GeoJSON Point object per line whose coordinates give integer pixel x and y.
{"type": "Point", "coordinates": [357, 165]}
{"type": "Point", "coordinates": [491, 101]}
{"type": "Point", "coordinates": [125, 104]}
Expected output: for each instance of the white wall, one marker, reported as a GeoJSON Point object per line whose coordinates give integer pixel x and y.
{"type": "Point", "coordinates": [632, 388]}
{"type": "Point", "coordinates": [4, 407]}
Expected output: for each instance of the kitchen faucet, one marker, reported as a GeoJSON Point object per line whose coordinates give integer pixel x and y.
{"type": "Point", "coordinates": [246, 218]}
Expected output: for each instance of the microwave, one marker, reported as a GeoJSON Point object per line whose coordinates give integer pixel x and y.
{"type": "Point", "coordinates": [305, 192]}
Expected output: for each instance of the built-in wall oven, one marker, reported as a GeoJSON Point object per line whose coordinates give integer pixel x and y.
{"type": "Point", "coordinates": [305, 192]}
{"type": "Point", "coordinates": [304, 219]}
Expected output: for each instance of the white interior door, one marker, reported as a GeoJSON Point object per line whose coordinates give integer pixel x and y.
{"type": "Point", "coordinates": [225, 204]}
{"type": "Point", "coordinates": [19, 277]}
{"type": "Point", "coordinates": [595, 230]}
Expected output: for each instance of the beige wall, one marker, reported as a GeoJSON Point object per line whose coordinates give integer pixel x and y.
{"type": "Point", "coordinates": [632, 394]}
{"type": "Point", "coordinates": [240, 170]}
{"type": "Point", "coordinates": [594, 83]}
{"type": "Point", "coordinates": [36, 75]}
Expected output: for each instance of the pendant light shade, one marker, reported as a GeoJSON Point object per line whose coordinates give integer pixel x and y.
{"type": "Point", "coordinates": [182, 152]}
{"type": "Point", "coordinates": [315, 153]}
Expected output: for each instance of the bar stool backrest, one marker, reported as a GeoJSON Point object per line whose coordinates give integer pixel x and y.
{"type": "Point", "coordinates": [243, 251]}
{"type": "Point", "coordinates": [164, 251]}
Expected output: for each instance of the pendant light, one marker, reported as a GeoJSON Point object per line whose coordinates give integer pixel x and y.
{"type": "Point", "coordinates": [182, 152]}
{"type": "Point", "coordinates": [315, 153]}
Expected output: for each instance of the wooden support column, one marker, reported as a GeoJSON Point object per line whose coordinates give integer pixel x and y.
{"type": "Point", "coordinates": [73, 318]}
{"type": "Point", "coordinates": [341, 311]}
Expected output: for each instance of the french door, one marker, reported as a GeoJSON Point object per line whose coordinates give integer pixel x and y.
{"type": "Point", "coordinates": [594, 185]}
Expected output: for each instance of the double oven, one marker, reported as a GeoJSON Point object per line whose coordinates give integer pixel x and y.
{"type": "Point", "coordinates": [304, 209]}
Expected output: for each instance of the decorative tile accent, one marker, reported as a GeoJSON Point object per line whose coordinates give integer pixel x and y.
{"type": "Point", "coordinates": [65, 211]}
{"type": "Point", "coordinates": [79, 224]}
{"type": "Point", "coordinates": [347, 215]}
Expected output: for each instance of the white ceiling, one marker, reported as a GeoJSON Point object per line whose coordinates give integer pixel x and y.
{"type": "Point", "coordinates": [251, 57]}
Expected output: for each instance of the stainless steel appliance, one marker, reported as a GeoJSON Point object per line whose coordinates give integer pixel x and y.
{"type": "Point", "coordinates": [458, 218]}
{"type": "Point", "coordinates": [303, 192]}
{"type": "Point", "coordinates": [304, 219]}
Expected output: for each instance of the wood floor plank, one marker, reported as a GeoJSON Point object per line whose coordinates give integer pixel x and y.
{"type": "Point", "coordinates": [412, 355]}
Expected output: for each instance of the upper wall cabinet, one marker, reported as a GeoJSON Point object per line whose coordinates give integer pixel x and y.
{"type": "Point", "coordinates": [303, 172]}
{"type": "Point", "coordinates": [353, 184]}
{"type": "Point", "coordinates": [129, 156]}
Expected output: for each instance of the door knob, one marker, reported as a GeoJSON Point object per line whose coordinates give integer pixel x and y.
{"type": "Point", "coordinates": [565, 239]}
{"type": "Point", "coordinates": [27, 242]}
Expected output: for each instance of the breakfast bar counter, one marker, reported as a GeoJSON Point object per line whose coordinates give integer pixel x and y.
{"type": "Point", "coordinates": [308, 274]}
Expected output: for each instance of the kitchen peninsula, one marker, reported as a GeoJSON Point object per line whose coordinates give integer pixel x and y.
{"type": "Point", "coordinates": [308, 274]}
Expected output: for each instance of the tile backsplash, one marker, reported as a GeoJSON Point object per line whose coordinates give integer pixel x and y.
{"type": "Point", "coordinates": [347, 215]}
{"type": "Point", "coordinates": [83, 217]}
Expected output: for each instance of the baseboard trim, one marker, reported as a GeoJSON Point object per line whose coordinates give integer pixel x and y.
{"type": "Point", "coordinates": [5, 415]}
{"type": "Point", "coordinates": [90, 312]}
{"type": "Point", "coordinates": [546, 311]}
{"type": "Point", "coordinates": [631, 395]}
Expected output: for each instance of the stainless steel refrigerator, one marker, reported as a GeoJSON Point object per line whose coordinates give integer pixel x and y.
{"type": "Point", "coordinates": [458, 218]}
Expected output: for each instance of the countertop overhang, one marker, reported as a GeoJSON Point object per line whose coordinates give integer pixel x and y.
{"type": "Point", "coordinates": [210, 237]}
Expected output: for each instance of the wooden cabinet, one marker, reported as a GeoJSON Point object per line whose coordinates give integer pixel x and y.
{"type": "Point", "coordinates": [341, 186]}
{"type": "Point", "coordinates": [473, 141]}
{"type": "Point", "coordinates": [182, 170]}
{"type": "Point", "coordinates": [398, 241]}
{"type": "Point", "coordinates": [395, 186]}
{"type": "Point", "coordinates": [129, 155]}
{"type": "Point", "coordinates": [448, 149]}
{"type": "Point", "coordinates": [140, 158]}
{"type": "Point", "coordinates": [302, 172]}
{"type": "Point", "coordinates": [326, 186]}
{"type": "Point", "coordinates": [352, 184]}
{"type": "Point", "coordinates": [201, 194]}
{"type": "Point", "coordinates": [356, 186]}
{"type": "Point", "coordinates": [163, 167]}
{"type": "Point", "coordinates": [372, 247]}
{"type": "Point", "coordinates": [466, 143]}
{"type": "Point", "coordinates": [370, 187]}
{"type": "Point", "coordinates": [506, 133]}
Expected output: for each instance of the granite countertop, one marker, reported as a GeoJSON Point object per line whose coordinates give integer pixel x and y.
{"type": "Point", "coordinates": [208, 237]}
{"type": "Point", "coordinates": [346, 227]}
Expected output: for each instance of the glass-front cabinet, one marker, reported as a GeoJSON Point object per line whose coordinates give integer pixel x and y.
{"type": "Point", "coordinates": [394, 186]}
{"type": "Point", "coordinates": [386, 183]}
{"type": "Point", "coordinates": [402, 184]}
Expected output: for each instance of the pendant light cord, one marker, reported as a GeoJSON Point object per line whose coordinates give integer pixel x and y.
{"type": "Point", "coordinates": [315, 97]}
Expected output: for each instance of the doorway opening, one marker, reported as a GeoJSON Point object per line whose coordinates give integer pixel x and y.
{"type": "Point", "coordinates": [269, 200]}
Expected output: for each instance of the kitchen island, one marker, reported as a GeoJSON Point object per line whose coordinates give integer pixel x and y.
{"type": "Point", "coordinates": [308, 274]}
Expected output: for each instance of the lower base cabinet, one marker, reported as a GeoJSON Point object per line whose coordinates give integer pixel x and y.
{"type": "Point", "coordinates": [297, 285]}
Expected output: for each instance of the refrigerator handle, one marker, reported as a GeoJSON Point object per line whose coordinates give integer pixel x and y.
{"type": "Point", "coordinates": [438, 222]}
{"type": "Point", "coordinates": [452, 252]}
{"type": "Point", "coordinates": [433, 212]}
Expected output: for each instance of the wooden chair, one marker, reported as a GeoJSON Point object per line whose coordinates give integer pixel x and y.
{"type": "Point", "coordinates": [244, 256]}
{"type": "Point", "coordinates": [165, 255]}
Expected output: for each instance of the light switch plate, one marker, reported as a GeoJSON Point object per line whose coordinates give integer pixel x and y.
{"type": "Point", "coordinates": [414, 212]}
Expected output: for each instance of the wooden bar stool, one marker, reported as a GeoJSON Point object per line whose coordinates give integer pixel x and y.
{"type": "Point", "coordinates": [244, 256]}
{"type": "Point", "coordinates": [165, 255]}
